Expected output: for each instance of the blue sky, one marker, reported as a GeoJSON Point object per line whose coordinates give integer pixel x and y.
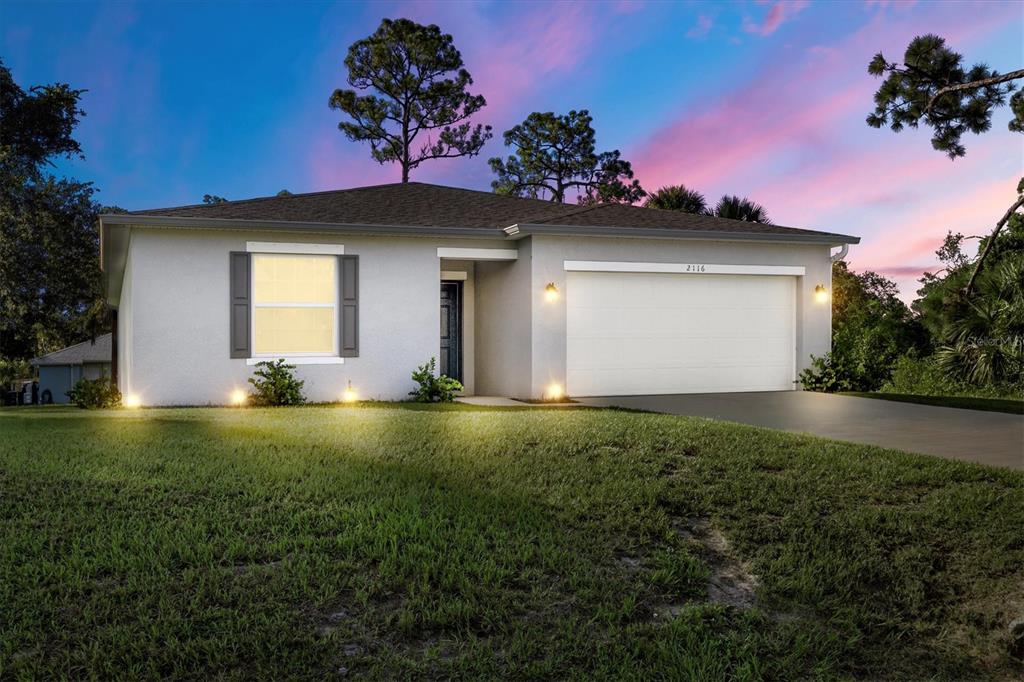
{"type": "Point", "coordinates": [765, 99]}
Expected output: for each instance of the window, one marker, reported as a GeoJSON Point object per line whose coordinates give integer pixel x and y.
{"type": "Point", "coordinates": [295, 304]}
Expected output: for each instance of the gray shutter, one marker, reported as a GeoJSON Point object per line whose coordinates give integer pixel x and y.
{"type": "Point", "coordinates": [348, 306]}
{"type": "Point", "coordinates": [240, 310]}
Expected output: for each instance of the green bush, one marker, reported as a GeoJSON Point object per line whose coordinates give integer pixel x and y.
{"type": "Point", "coordinates": [11, 370]}
{"type": "Point", "coordinates": [828, 374]}
{"type": "Point", "coordinates": [433, 388]}
{"type": "Point", "coordinates": [927, 376]}
{"type": "Point", "coordinates": [95, 393]}
{"type": "Point", "coordinates": [275, 385]}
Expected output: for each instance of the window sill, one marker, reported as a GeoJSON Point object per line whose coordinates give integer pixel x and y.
{"type": "Point", "coordinates": [300, 360]}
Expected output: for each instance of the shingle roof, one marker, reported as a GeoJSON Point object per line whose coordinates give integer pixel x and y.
{"type": "Point", "coordinates": [80, 353]}
{"type": "Point", "coordinates": [417, 204]}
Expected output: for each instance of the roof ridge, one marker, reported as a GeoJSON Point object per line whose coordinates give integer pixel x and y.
{"type": "Point", "coordinates": [340, 191]}
{"type": "Point", "coordinates": [286, 196]}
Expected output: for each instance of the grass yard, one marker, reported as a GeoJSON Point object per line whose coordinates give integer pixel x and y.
{"type": "Point", "coordinates": [396, 543]}
{"type": "Point", "coordinates": [962, 402]}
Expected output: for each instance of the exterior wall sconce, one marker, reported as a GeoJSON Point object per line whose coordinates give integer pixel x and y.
{"type": "Point", "coordinates": [349, 395]}
{"type": "Point", "coordinates": [820, 294]}
{"type": "Point", "coordinates": [551, 292]}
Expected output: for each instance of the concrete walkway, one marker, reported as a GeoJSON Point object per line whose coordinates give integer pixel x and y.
{"type": "Point", "coordinates": [498, 401]}
{"type": "Point", "coordinates": [993, 438]}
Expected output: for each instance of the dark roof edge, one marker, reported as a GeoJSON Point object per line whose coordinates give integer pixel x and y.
{"type": "Point", "coordinates": [302, 226]}
{"type": "Point", "coordinates": [50, 359]}
{"type": "Point", "coordinates": [524, 229]}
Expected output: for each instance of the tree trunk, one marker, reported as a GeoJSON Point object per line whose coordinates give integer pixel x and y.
{"type": "Point", "coordinates": [992, 238]}
{"type": "Point", "coordinates": [405, 171]}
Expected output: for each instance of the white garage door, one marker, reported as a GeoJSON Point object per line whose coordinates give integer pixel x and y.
{"type": "Point", "coordinates": [646, 333]}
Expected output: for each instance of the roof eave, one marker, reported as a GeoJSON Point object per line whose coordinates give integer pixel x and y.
{"type": "Point", "coordinates": [521, 230]}
{"type": "Point", "coordinates": [182, 222]}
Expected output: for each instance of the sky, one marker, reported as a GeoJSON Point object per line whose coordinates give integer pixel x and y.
{"type": "Point", "coordinates": [763, 99]}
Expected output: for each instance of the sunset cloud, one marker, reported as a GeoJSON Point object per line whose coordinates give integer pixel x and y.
{"type": "Point", "coordinates": [777, 13]}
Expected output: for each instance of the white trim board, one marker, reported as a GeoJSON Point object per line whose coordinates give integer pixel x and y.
{"type": "Point", "coordinates": [295, 247]}
{"type": "Point", "coordinates": [477, 254]}
{"type": "Point", "coordinates": [299, 359]}
{"type": "Point", "coordinates": [695, 268]}
{"type": "Point", "coordinates": [454, 275]}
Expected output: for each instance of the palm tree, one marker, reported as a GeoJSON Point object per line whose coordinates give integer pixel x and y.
{"type": "Point", "coordinates": [678, 198]}
{"type": "Point", "coordinates": [984, 345]}
{"type": "Point", "coordinates": [735, 208]}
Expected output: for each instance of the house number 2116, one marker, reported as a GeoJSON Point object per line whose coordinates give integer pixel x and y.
{"type": "Point", "coordinates": [696, 268]}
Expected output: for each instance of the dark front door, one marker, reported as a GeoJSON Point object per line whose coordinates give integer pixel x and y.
{"type": "Point", "coordinates": [451, 329]}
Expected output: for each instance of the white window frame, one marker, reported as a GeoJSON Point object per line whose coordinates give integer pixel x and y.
{"type": "Point", "coordinates": [291, 249]}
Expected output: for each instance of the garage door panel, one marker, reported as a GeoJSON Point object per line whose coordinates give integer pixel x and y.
{"type": "Point", "coordinates": [649, 333]}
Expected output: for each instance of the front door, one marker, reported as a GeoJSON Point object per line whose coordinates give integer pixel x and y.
{"type": "Point", "coordinates": [451, 329]}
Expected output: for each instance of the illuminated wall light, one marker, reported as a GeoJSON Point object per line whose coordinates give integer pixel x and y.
{"type": "Point", "coordinates": [131, 401]}
{"type": "Point", "coordinates": [551, 292]}
{"type": "Point", "coordinates": [820, 294]}
{"type": "Point", "coordinates": [238, 397]}
{"type": "Point", "coordinates": [349, 395]}
{"type": "Point", "coordinates": [554, 392]}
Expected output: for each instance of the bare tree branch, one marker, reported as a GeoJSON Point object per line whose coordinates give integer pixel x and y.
{"type": "Point", "coordinates": [974, 85]}
{"type": "Point", "coordinates": [988, 245]}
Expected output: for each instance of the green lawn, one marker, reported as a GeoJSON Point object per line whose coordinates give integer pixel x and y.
{"type": "Point", "coordinates": [962, 402]}
{"type": "Point", "coordinates": [398, 543]}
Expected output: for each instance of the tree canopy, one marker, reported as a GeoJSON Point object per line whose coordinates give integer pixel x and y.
{"type": "Point", "coordinates": [933, 87]}
{"type": "Point", "coordinates": [737, 208]}
{"type": "Point", "coordinates": [214, 199]}
{"type": "Point", "coordinates": [49, 246]}
{"type": "Point", "coordinates": [554, 155]}
{"type": "Point", "coordinates": [36, 125]}
{"type": "Point", "coordinates": [418, 88]}
{"type": "Point", "coordinates": [681, 198]}
{"type": "Point", "coordinates": [677, 198]}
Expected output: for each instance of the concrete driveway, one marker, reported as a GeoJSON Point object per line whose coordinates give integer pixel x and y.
{"type": "Point", "coordinates": [991, 438]}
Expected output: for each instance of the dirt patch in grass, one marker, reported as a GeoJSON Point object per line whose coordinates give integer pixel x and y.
{"type": "Point", "coordinates": [731, 582]}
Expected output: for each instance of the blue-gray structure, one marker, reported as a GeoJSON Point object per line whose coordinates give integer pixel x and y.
{"type": "Point", "coordinates": [60, 370]}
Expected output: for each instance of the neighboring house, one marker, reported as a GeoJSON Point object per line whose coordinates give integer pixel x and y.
{"type": "Point", "coordinates": [60, 370]}
{"type": "Point", "coordinates": [515, 297]}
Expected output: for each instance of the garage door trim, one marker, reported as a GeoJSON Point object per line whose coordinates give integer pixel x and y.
{"type": "Point", "coordinates": [693, 268]}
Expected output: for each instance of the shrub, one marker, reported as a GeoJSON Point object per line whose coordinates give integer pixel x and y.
{"type": "Point", "coordinates": [275, 385]}
{"type": "Point", "coordinates": [927, 376]}
{"type": "Point", "coordinates": [95, 393]}
{"type": "Point", "coordinates": [828, 374]}
{"type": "Point", "coordinates": [11, 370]}
{"type": "Point", "coordinates": [432, 388]}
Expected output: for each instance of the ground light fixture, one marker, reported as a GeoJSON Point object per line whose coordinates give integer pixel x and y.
{"type": "Point", "coordinates": [131, 401]}
{"type": "Point", "coordinates": [820, 293]}
{"type": "Point", "coordinates": [554, 391]}
{"type": "Point", "coordinates": [349, 395]}
{"type": "Point", "coordinates": [551, 292]}
{"type": "Point", "coordinates": [238, 397]}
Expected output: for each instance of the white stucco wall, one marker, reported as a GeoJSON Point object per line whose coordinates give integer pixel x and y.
{"type": "Point", "coordinates": [174, 316]}
{"type": "Point", "coordinates": [503, 325]}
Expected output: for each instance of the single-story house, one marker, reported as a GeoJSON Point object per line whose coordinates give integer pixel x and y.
{"type": "Point", "coordinates": [60, 370]}
{"type": "Point", "coordinates": [515, 297]}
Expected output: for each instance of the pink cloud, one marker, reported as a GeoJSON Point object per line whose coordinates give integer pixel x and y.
{"type": "Point", "coordinates": [777, 14]}
{"type": "Point", "coordinates": [701, 28]}
{"type": "Point", "coordinates": [791, 136]}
